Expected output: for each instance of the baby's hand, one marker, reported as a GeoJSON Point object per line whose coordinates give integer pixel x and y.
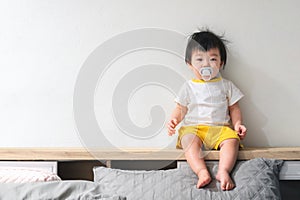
{"type": "Point", "coordinates": [241, 131]}
{"type": "Point", "coordinates": [171, 126]}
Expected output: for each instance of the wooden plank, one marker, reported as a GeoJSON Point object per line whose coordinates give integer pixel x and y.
{"type": "Point", "coordinates": [45, 154]}
{"type": "Point", "coordinates": [284, 153]}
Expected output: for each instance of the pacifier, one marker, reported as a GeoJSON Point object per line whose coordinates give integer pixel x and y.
{"type": "Point", "coordinates": [206, 73]}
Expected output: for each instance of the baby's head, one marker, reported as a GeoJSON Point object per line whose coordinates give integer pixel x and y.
{"type": "Point", "coordinates": [205, 50]}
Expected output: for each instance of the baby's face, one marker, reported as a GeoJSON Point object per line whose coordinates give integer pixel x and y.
{"type": "Point", "coordinates": [208, 58]}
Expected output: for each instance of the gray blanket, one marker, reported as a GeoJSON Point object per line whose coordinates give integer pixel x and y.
{"type": "Point", "coordinates": [55, 190]}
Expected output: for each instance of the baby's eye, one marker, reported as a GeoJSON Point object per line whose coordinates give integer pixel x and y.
{"type": "Point", "coordinates": [213, 59]}
{"type": "Point", "coordinates": [199, 59]}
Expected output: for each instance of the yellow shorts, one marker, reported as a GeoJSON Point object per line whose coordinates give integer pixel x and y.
{"type": "Point", "coordinates": [211, 136]}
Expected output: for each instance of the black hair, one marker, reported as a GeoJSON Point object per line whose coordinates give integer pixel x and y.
{"type": "Point", "coordinates": [204, 41]}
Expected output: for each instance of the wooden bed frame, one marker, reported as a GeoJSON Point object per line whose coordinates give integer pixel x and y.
{"type": "Point", "coordinates": [290, 170]}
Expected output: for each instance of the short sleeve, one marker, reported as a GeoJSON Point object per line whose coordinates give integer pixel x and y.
{"type": "Point", "coordinates": [234, 94]}
{"type": "Point", "coordinates": [183, 96]}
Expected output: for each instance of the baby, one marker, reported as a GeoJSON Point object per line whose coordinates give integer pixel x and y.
{"type": "Point", "coordinates": [209, 111]}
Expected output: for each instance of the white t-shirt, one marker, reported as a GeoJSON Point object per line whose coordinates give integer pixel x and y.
{"type": "Point", "coordinates": [208, 102]}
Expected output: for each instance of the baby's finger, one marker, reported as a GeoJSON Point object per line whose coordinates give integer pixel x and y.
{"type": "Point", "coordinates": [243, 129]}
{"type": "Point", "coordinates": [242, 135]}
{"type": "Point", "coordinates": [171, 125]}
{"type": "Point", "coordinates": [174, 122]}
{"type": "Point", "coordinates": [171, 132]}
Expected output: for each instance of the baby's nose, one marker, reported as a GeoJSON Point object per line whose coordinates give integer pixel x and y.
{"type": "Point", "coordinates": [205, 63]}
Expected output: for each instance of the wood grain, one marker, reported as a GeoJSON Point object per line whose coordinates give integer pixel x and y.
{"type": "Point", "coordinates": [63, 154]}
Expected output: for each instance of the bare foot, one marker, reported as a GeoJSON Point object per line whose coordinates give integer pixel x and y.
{"type": "Point", "coordinates": [204, 178]}
{"type": "Point", "coordinates": [225, 180]}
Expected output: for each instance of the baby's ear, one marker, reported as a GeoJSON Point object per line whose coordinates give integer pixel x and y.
{"type": "Point", "coordinates": [222, 65]}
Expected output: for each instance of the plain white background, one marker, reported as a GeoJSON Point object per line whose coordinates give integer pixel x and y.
{"type": "Point", "coordinates": [43, 45]}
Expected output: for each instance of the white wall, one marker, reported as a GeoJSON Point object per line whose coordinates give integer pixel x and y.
{"type": "Point", "coordinates": [43, 45]}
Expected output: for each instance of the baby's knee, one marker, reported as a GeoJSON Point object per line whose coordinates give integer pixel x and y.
{"type": "Point", "coordinates": [190, 139]}
{"type": "Point", "coordinates": [231, 142]}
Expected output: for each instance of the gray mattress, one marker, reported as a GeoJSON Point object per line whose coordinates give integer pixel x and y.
{"type": "Point", "coordinates": [255, 179]}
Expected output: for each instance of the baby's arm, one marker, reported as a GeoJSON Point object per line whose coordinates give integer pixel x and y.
{"type": "Point", "coordinates": [176, 117]}
{"type": "Point", "coordinates": [236, 119]}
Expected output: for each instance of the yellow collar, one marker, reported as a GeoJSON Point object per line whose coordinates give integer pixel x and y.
{"type": "Point", "coordinates": [216, 79]}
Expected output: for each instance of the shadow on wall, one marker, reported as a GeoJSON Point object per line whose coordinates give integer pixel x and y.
{"type": "Point", "coordinates": [270, 104]}
{"type": "Point", "coordinates": [254, 119]}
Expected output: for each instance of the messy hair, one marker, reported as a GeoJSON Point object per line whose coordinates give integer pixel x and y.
{"type": "Point", "coordinates": [204, 41]}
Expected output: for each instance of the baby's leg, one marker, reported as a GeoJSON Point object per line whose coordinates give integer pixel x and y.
{"type": "Point", "coordinates": [192, 147]}
{"type": "Point", "coordinates": [228, 155]}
